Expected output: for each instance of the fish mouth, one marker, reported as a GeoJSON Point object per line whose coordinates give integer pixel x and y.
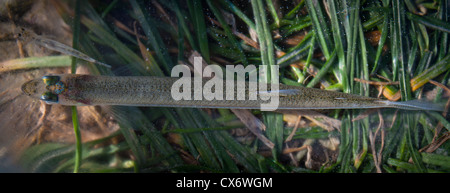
{"type": "Point", "coordinates": [32, 87]}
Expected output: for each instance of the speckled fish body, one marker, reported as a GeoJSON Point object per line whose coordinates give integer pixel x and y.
{"type": "Point", "coordinates": [156, 91]}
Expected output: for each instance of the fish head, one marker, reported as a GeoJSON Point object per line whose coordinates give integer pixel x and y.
{"type": "Point", "coordinates": [46, 88]}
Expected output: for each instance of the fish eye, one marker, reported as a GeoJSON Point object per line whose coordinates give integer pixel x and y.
{"type": "Point", "coordinates": [49, 97]}
{"type": "Point", "coordinates": [50, 80]}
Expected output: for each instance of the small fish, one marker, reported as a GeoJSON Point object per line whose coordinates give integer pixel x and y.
{"type": "Point", "coordinates": [70, 89]}
{"type": "Point", "coordinates": [28, 36]}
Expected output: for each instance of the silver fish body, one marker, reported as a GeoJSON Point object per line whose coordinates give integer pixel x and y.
{"type": "Point", "coordinates": [158, 92]}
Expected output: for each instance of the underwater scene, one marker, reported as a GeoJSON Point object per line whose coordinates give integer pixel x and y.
{"type": "Point", "coordinates": [225, 86]}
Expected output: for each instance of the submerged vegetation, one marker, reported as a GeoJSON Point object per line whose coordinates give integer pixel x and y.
{"type": "Point", "coordinates": [399, 47]}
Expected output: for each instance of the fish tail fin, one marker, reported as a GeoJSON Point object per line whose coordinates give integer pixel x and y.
{"type": "Point", "coordinates": [102, 64]}
{"type": "Point", "coordinates": [415, 105]}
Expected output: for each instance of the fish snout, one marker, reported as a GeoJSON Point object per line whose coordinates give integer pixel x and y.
{"type": "Point", "coordinates": [33, 87]}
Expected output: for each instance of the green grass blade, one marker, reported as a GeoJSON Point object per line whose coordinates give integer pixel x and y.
{"type": "Point", "coordinates": [273, 12]}
{"type": "Point", "coordinates": [381, 43]}
{"type": "Point", "coordinates": [364, 61]}
{"type": "Point", "coordinates": [320, 26]}
{"type": "Point", "coordinates": [430, 22]}
{"type": "Point", "coordinates": [339, 47]}
{"type": "Point", "coordinates": [442, 119]}
{"type": "Point", "coordinates": [352, 35]}
{"type": "Point", "coordinates": [78, 145]}
{"type": "Point", "coordinates": [134, 144]}
{"type": "Point", "coordinates": [154, 39]}
{"type": "Point", "coordinates": [110, 40]}
{"type": "Point", "coordinates": [398, 50]}
{"type": "Point", "coordinates": [182, 19]}
{"type": "Point", "coordinates": [430, 73]}
{"type": "Point", "coordinates": [241, 15]}
{"type": "Point", "coordinates": [198, 19]}
{"type": "Point", "coordinates": [36, 62]}
{"type": "Point", "coordinates": [310, 53]}
{"type": "Point", "coordinates": [436, 159]}
{"type": "Point", "coordinates": [273, 121]}
{"type": "Point", "coordinates": [231, 39]}
{"type": "Point", "coordinates": [417, 159]}
{"type": "Point", "coordinates": [295, 10]}
{"type": "Point", "coordinates": [297, 52]}
{"type": "Point", "coordinates": [75, 122]}
{"type": "Point", "coordinates": [322, 71]}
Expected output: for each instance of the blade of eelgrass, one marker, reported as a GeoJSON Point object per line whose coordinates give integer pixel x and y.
{"type": "Point", "coordinates": [376, 18]}
{"type": "Point", "coordinates": [134, 144]}
{"type": "Point", "coordinates": [398, 50]}
{"type": "Point", "coordinates": [320, 26]}
{"type": "Point", "coordinates": [395, 143]}
{"type": "Point", "coordinates": [76, 34]}
{"type": "Point", "coordinates": [76, 128]}
{"type": "Point", "coordinates": [264, 37]}
{"type": "Point", "coordinates": [58, 157]}
{"type": "Point", "coordinates": [272, 121]}
{"type": "Point", "coordinates": [328, 64]}
{"type": "Point", "coordinates": [444, 15]}
{"type": "Point", "coordinates": [226, 145]}
{"type": "Point", "coordinates": [436, 159]}
{"type": "Point", "coordinates": [217, 145]}
{"type": "Point", "coordinates": [182, 19]}
{"type": "Point", "coordinates": [430, 73]}
{"type": "Point", "coordinates": [413, 52]}
{"type": "Point", "coordinates": [241, 15]}
{"type": "Point", "coordinates": [231, 39]}
{"type": "Point", "coordinates": [345, 147]}
{"type": "Point", "coordinates": [198, 21]}
{"type": "Point", "coordinates": [298, 52]}
{"type": "Point", "coordinates": [294, 25]}
{"type": "Point", "coordinates": [310, 54]}
{"type": "Point", "coordinates": [273, 12]}
{"type": "Point", "coordinates": [298, 7]}
{"type": "Point", "coordinates": [45, 157]}
{"type": "Point", "coordinates": [441, 119]}
{"type": "Point", "coordinates": [401, 164]}
{"type": "Point", "coordinates": [424, 62]}
{"type": "Point", "coordinates": [424, 39]}
{"type": "Point", "coordinates": [430, 22]}
{"type": "Point", "coordinates": [364, 62]}
{"type": "Point", "coordinates": [90, 162]}
{"type": "Point", "coordinates": [260, 32]}
{"type": "Point", "coordinates": [339, 47]}
{"type": "Point", "coordinates": [364, 124]}
{"type": "Point", "coordinates": [108, 9]}
{"type": "Point", "coordinates": [381, 42]}
{"type": "Point", "coordinates": [35, 62]}
{"type": "Point", "coordinates": [396, 39]}
{"type": "Point", "coordinates": [109, 39]}
{"type": "Point", "coordinates": [151, 135]}
{"type": "Point", "coordinates": [199, 143]}
{"type": "Point", "coordinates": [417, 159]}
{"type": "Point", "coordinates": [78, 149]}
{"type": "Point", "coordinates": [154, 38]}
{"type": "Point", "coordinates": [352, 35]}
